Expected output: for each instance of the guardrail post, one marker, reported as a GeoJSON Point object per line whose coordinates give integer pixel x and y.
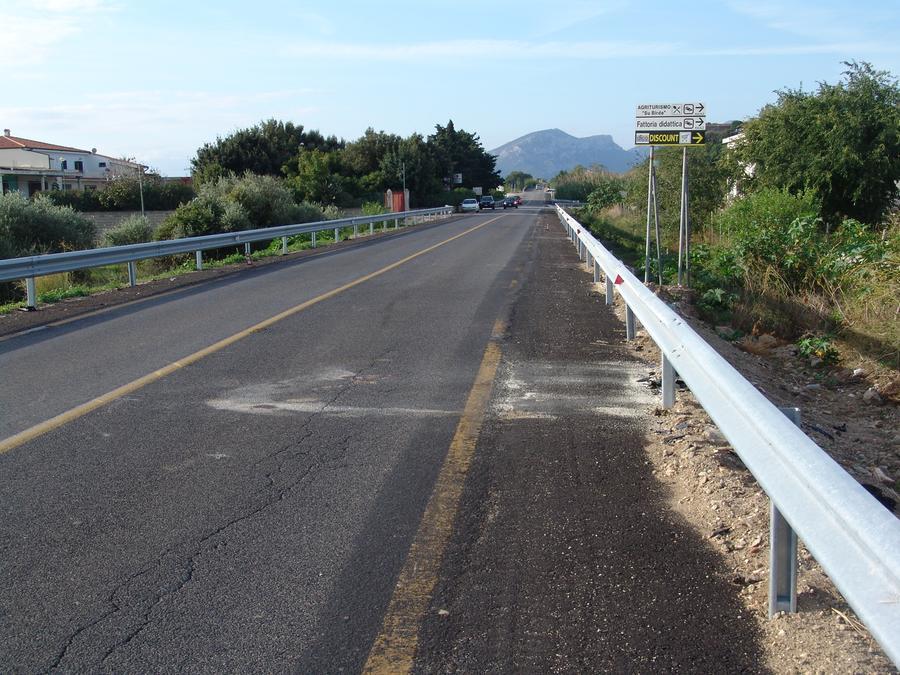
{"type": "Point", "coordinates": [397, 222]}
{"type": "Point", "coordinates": [199, 257]}
{"type": "Point", "coordinates": [247, 249]}
{"type": "Point", "coordinates": [596, 272]}
{"type": "Point", "coordinates": [337, 235]}
{"type": "Point", "coordinates": [31, 295]}
{"type": "Point", "coordinates": [609, 290]}
{"type": "Point", "coordinates": [355, 230]}
{"type": "Point", "coordinates": [629, 323]}
{"type": "Point", "coordinates": [668, 383]}
{"type": "Point", "coordinates": [371, 229]}
{"type": "Point", "coordinates": [782, 552]}
{"type": "Point", "coordinates": [284, 245]}
{"type": "Point", "coordinates": [313, 239]}
{"type": "Point", "coordinates": [132, 274]}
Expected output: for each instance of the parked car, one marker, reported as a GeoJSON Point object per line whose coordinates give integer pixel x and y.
{"type": "Point", "coordinates": [487, 202]}
{"type": "Point", "coordinates": [469, 205]}
{"type": "Point", "coordinates": [509, 203]}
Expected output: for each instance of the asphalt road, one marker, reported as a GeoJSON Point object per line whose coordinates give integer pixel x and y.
{"type": "Point", "coordinates": [253, 507]}
{"type": "Point", "coordinates": [227, 516]}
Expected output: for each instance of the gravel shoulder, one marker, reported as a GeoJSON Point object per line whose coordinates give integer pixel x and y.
{"type": "Point", "coordinates": [709, 486]}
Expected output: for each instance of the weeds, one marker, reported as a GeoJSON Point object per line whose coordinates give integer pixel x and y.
{"type": "Point", "coordinates": [821, 347]}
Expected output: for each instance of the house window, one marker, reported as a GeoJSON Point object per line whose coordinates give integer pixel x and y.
{"type": "Point", "coordinates": [67, 186]}
{"type": "Point", "coordinates": [102, 164]}
{"type": "Point", "coordinates": [63, 164]}
{"type": "Point", "coordinates": [79, 165]}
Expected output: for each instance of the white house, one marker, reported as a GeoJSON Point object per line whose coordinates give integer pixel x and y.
{"type": "Point", "coordinates": [731, 142]}
{"type": "Point", "coordinates": [31, 166]}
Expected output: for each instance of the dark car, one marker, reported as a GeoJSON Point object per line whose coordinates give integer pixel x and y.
{"type": "Point", "coordinates": [509, 203]}
{"type": "Point", "coordinates": [487, 202]}
{"type": "Point", "coordinates": [518, 200]}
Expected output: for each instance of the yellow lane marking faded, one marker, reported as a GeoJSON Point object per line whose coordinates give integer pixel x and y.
{"type": "Point", "coordinates": [326, 250]}
{"type": "Point", "coordinates": [395, 646]}
{"type": "Point", "coordinates": [46, 426]}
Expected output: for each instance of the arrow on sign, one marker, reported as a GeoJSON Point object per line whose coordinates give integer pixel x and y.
{"type": "Point", "coordinates": [700, 107]}
{"type": "Point", "coordinates": [698, 138]}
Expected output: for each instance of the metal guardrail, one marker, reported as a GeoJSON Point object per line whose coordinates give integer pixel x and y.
{"type": "Point", "coordinates": [29, 267]}
{"type": "Point", "coordinates": [854, 538]}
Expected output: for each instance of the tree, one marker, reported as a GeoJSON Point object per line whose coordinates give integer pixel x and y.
{"type": "Point", "coordinates": [318, 177]}
{"type": "Point", "coordinates": [262, 149]}
{"type": "Point", "coordinates": [462, 152]}
{"type": "Point", "coordinates": [842, 142]}
{"type": "Point", "coordinates": [516, 180]}
{"type": "Point", "coordinates": [707, 180]}
{"type": "Point", "coordinates": [421, 168]}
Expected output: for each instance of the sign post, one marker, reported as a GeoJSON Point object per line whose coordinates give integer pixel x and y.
{"type": "Point", "coordinates": [678, 124]}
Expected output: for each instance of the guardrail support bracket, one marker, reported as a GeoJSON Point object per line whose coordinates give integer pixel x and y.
{"type": "Point", "coordinates": [629, 324]}
{"type": "Point", "coordinates": [132, 274]}
{"type": "Point", "coordinates": [782, 552]}
{"type": "Point", "coordinates": [199, 257]}
{"type": "Point", "coordinates": [284, 246]}
{"type": "Point", "coordinates": [596, 272]}
{"type": "Point", "coordinates": [609, 290]}
{"type": "Point", "coordinates": [668, 383]}
{"type": "Point", "coordinates": [31, 295]}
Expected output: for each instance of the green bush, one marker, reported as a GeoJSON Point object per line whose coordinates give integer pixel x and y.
{"type": "Point", "coordinates": [124, 194]}
{"type": "Point", "coordinates": [607, 192]}
{"type": "Point", "coordinates": [134, 229]}
{"type": "Point", "coordinates": [373, 209]}
{"type": "Point", "coordinates": [40, 226]}
{"type": "Point", "coordinates": [202, 215]}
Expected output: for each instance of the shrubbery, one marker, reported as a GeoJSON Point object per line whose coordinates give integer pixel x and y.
{"type": "Point", "coordinates": [124, 194]}
{"type": "Point", "coordinates": [134, 229]}
{"type": "Point", "coordinates": [33, 227]}
{"type": "Point", "coordinates": [39, 226]}
{"type": "Point", "coordinates": [232, 204]}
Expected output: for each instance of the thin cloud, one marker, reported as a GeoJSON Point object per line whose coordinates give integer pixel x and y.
{"type": "Point", "coordinates": [458, 50]}
{"type": "Point", "coordinates": [453, 51]}
{"type": "Point", "coordinates": [814, 21]}
{"type": "Point", "coordinates": [36, 27]}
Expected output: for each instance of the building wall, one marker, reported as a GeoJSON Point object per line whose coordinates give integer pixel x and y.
{"type": "Point", "coordinates": [14, 158]}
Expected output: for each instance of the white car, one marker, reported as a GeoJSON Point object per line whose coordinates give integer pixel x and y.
{"type": "Point", "coordinates": [468, 205]}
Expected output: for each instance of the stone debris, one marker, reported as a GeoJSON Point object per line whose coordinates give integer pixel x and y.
{"type": "Point", "coordinates": [713, 490]}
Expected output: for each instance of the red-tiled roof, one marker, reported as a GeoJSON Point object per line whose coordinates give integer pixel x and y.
{"type": "Point", "coordinates": [14, 142]}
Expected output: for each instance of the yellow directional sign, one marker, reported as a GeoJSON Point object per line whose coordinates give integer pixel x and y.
{"type": "Point", "coordinates": [670, 137]}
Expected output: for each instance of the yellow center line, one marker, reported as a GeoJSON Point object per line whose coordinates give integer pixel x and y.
{"type": "Point", "coordinates": [46, 426]}
{"type": "Point", "coordinates": [395, 646]}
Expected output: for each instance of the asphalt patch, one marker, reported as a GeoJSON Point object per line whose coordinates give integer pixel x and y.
{"type": "Point", "coordinates": [564, 556]}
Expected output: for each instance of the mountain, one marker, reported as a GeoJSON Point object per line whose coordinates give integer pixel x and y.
{"type": "Point", "coordinates": [545, 153]}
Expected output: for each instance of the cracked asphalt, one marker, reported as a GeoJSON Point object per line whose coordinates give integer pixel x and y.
{"type": "Point", "coordinates": [251, 510]}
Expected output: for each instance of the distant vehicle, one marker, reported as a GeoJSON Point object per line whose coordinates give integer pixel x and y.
{"type": "Point", "coordinates": [487, 202]}
{"type": "Point", "coordinates": [509, 203]}
{"type": "Point", "coordinates": [518, 200]}
{"type": "Point", "coordinates": [469, 205]}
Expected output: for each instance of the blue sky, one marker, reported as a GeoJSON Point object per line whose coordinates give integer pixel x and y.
{"type": "Point", "coordinates": [156, 79]}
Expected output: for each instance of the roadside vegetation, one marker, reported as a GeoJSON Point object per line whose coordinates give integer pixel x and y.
{"type": "Point", "coordinates": [274, 173]}
{"type": "Point", "coordinates": [796, 230]}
